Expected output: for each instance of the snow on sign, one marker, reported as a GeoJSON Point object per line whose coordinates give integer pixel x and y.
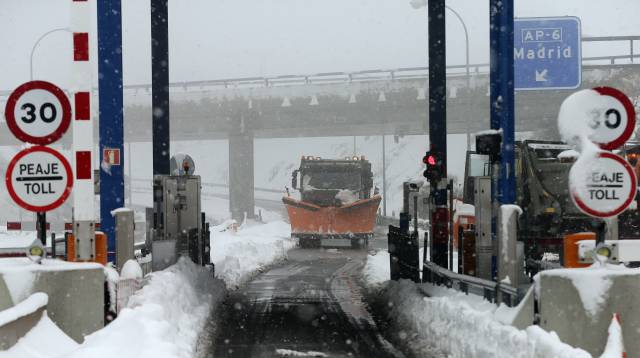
{"type": "Point", "coordinates": [39, 179]}
{"type": "Point", "coordinates": [547, 53]}
{"type": "Point", "coordinates": [605, 113]}
{"type": "Point", "coordinates": [603, 186]}
{"type": "Point", "coordinates": [38, 112]}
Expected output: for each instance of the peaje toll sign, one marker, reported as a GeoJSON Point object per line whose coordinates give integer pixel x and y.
{"type": "Point", "coordinates": [39, 179]}
{"type": "Point", "coordinates": [38, 112]}
{"type": "Point", "coordinates": [604, 186]}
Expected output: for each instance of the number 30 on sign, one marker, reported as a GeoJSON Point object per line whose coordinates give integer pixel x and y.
{"type": "Point", "coordinates": [38, 112]}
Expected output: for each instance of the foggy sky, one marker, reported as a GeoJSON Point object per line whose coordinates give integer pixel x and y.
{"type": "Point", "coordinates": [213, 39]}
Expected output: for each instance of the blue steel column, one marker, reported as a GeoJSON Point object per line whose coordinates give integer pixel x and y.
{"type": "Point", "coordinates": [111, 113]}
{"type": "Point", "coordinates": [502, 105]}
{"type": "Point", "coordinates": [160, 86]}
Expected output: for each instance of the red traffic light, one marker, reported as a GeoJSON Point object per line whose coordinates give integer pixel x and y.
{"type": "Point", "coordinates": [429, 159]}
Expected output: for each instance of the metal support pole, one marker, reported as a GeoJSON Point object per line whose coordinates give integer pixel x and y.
{"type": "Point", "coordinates": [415, 213]}
{"type": "Point", "coordinates": [53, 245]}
{"type": "Point", "coordinates": [601, 231]}
{"type": "Point", "coordinates": [160, 85]}
{"type": "Point", "coordinates": [111, 115]}
{"type": "Point", "coordinates": [612, 229]}
{"type": "Point", "coordinates": [354, 146]}
{"type": "Point", "coordinates": [438, 126]}
{"type": "Point", "coordinates": [384, 177]}
{"type": "Point", "coordinates": [241, 175]}
{"type": "Point", "coordinates": [502, 105]}
{"type": "Point", "coordinates": [41, 227]}
{"type": "Point", "coordinates": [82, 127]}
{"type": "Point", "coordinates": [129, 168]}
{"type": "Point", "coordinates": [35, 45]}
{"type": "Point", "coordinates": [451, 211]}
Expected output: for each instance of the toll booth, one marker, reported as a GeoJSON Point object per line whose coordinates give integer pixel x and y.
{"type": "Point", "coordinates": [178, 225]}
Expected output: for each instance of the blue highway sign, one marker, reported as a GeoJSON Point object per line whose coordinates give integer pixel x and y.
{"type": "Point", "coordinates": [547, 53]}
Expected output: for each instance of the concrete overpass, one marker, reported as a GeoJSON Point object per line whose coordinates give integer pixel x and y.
{"type": "Point", "coordinates": [373, 102]}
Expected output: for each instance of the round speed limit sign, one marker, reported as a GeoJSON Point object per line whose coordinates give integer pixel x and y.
{"type": "Point", "coordinates": [607, 112]}
{"type": "Point", "coordinates": [38, 112]}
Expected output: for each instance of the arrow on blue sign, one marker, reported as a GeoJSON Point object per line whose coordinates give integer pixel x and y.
{"type": "Point", "coordinates": [547, 53]}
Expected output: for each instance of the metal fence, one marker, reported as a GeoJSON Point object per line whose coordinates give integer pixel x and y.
{"type": "Point", "coordinates": [492, 291]}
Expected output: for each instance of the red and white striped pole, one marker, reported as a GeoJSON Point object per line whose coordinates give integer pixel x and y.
{"type": "Point", "coordinates": [83, 143]}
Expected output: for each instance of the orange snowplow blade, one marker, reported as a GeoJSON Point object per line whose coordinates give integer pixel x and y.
{"type": "Point", "coordinates": [355, 218]}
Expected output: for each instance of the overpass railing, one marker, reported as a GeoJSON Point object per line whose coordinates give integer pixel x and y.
{"type": "Point", "coordinates": [419, 72]}
{"type": "Point", "coordinates": [612, 59]}
{"type": "Point", "coordinates": [381, 74]}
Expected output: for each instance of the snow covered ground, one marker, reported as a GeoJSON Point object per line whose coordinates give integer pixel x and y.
{"type": "Point", "coordinates": [436, 321]}
{"type": "Point", "coordinates": [238, 255]}
{"type": "Point", "coordinates": [163, 319]}
{"type": "Point", "coordinates": [166, 317]}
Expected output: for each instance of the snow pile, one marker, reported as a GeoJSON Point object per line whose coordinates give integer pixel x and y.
{"type": "Point", "coordinates": [131, 270]}
{"type": "Point", "coordinates": [462, 209]}
{"type": "Point", "coordinates": [508, 213]}
{"type": "Point", "coordinates": [347, 196]}
{"type": "Point", "coordinates": [575, 116]}
{"type": "Point", "coordinates": [112, 277]}
{"type": "Point", "coordinates": [24, 308]}
{"type": "Point", "coordinates": [43, 341]}
{"type": "Point", "coordinates": [163, 319]}
{"type": "Point", "coordinates": [568, 154]}
{"type": "Point", "coordinates": [292, 353]}
{"type": "Point", "coordinates": [17, 240]}
{"type": "Point", "coordinates": [377, 270]}
{"type": "Point", "coordinates": [592, 283]}
{"type": "Point", "coordinates": [575, 121]}
{"type": "Point", "coordinates": [615, 344]}
{"type": "Point", "coordinates": [238, 255]}
{"type": "Point", "coordinates": [120, 210]}
{"type": "Point", "coordinates": [458, 325]}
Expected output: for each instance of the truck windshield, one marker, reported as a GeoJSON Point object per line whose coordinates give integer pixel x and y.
{"type": "Point", "coordinates": [331, 180]}
{"type": "Point", "coordinates": [548, 152]}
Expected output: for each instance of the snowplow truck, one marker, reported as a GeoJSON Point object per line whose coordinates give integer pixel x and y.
{"type": "Point", "coordinates": [336, 206]}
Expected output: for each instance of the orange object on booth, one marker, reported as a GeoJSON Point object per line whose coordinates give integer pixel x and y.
{"type": "Point", "coordinates": [570, 249]}
{"type": "Point", "coordinates": [462, 222]}
{"type": "Point", "coordinates": [101, 249]}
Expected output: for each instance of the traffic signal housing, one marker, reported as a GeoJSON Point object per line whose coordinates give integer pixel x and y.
{"type": "Point", "coordinates": [434, 170]}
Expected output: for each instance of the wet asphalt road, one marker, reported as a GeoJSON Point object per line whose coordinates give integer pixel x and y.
{"type": "Point", "coordinates": [311, 304]}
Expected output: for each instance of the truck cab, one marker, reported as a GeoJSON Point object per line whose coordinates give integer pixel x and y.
{"type": "Point", "coordinates": [332, 182]}
{"type": "Point", "coordinates": [336, 206]}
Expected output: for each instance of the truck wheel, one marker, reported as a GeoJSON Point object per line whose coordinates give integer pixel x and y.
{"type": "Point", "coordinates": [309, 243]}
{"type": "Point", "coordinates": [359, 243]}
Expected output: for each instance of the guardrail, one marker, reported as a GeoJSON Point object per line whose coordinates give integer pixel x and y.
{"type": "Point", "coordinates": [495, 292]}
{"type": "Point", "coordinates": [369, 75]}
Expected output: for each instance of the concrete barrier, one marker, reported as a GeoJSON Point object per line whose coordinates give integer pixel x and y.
{"type": "Point", "coordinates": [525, 311]}
{"type": "Point", "coordinates": [75, 290]}
{"type": "Point", "coordinates": [18, 320]}
{"type": "Point", "coordinates": [581, 317]}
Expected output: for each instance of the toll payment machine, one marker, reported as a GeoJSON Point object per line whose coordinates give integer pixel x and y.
{"type": "Point", "coordinates": [178, 226]}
